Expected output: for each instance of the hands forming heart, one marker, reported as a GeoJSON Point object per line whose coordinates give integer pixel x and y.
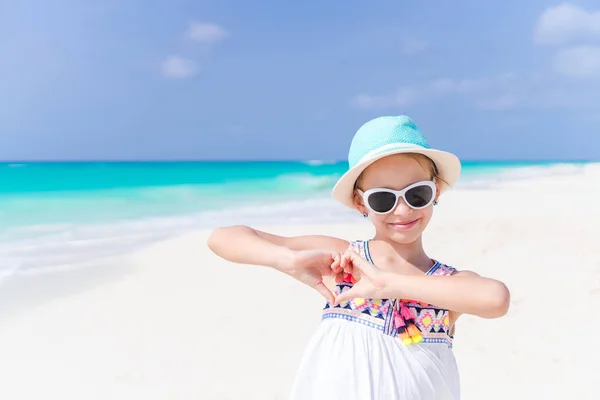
{"type": "Point", "coordinates": [368, 280]}
{"type": "Point", "coordinates": [311, 266]}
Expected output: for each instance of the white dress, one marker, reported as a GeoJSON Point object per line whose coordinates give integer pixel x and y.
{"type": "Point", "coordinates": [356, 353]}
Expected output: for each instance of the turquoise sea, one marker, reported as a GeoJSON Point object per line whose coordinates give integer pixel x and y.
{"type": "Point", "coordinates": [63, 214]}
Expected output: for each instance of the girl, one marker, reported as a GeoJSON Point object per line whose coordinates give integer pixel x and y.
{"type": "Point", "coordinates": [388, 324]}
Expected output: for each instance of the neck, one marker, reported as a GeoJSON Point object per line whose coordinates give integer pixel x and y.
{"type": "Point", "coordinates": [412, 253]}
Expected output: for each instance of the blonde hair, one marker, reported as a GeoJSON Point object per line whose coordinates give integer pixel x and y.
{"type": "Point", "coordinates": [426, 162]}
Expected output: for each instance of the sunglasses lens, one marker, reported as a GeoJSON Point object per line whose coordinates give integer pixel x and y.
{"type": "Point", "coordinates": [419, 196]}
{"type": "Point", "coordinates": [382, 201]}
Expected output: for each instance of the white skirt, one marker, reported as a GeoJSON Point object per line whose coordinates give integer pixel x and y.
{"type": "Point", "coordinates": [350, 361]}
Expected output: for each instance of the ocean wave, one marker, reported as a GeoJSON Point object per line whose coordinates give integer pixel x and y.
{"type": "Point", "coordinates": [306, 182]}
{"type": "Point", "coordinates": [592, 169]}
{"type": "Point", "coordinates": [40, 249]}
{"type": "Point", "coordinates": [315, 163]}
{"type": "Point", "coordinates": [559, 169]}
{"type": "Point", "coordinates": [526, 173]}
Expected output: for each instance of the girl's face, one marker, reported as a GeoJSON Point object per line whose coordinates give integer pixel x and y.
{"type": "Point", "coordinates": [403, 224]}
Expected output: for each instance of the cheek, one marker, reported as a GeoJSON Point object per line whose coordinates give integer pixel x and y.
{"type": "Point", "coordinates": [378, 220]}
{"type": "Point", "coordinates": [426, 213]}
{"type": "Point", "coordinates": [425, 216]}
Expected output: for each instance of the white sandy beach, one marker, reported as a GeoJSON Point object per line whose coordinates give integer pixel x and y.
{"type": "Point", "coordinates": [175, 322]}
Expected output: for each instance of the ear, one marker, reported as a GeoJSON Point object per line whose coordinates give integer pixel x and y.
{"type": "Point", "coordinates": [358, 203]}
{"type": "Point", "coordinates": [437, 189]}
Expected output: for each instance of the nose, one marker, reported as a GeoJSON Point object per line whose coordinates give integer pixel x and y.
{"type": "Point", "coordinates": [402, 208]}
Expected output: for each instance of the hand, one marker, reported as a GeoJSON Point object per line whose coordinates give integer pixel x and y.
{"type": "Point", "coordinates": [310, 266]}
{"type": "Point", "coordinates": [370, 280]}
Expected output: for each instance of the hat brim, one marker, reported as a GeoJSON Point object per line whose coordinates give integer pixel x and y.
{"type": "Point", "coordinates": [448, 165]}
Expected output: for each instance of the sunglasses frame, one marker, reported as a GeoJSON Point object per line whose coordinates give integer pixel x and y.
{"type": "Point", "coordinates": [399, 193]}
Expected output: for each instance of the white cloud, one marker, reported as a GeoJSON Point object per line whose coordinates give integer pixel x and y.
{"type": "Point", "coordinates": [206, 33]}
{"type": "Point", "coordinates": [578, 61]}
{"type": "Point", "coordinates": [577, 33]}
{"type": "Point", "coordinates": [433, 91]}
{"type": "Point", "coordinates": [179, 68]}
{"type": "Point", "coordinates": [566, 24]}
{"type": "Point", "coordinates": [572, 29]}
{"type": "Point", "coordinates": [497, 93]}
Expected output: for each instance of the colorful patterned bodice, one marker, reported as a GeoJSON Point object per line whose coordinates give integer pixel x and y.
{"type": "Point", "coordinates": [432, 322]}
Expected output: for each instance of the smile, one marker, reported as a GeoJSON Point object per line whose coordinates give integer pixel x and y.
{"type": "Point", "coordinates": [401, 226]}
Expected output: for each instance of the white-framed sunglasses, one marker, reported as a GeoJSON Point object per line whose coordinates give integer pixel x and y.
{"type": "Point", "coordinates": [382, 200]}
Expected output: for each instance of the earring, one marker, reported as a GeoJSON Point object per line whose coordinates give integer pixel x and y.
{"type": "Point", "coordinates": [365, 215]}
{"type": "Point", "coordinates": [435, 203]}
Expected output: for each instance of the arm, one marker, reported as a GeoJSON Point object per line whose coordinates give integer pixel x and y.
{"type": "Point", "coordinates": [244, 245]}
{"type": "Point", "coordinates": [464, 292]}
{"type": "Point", "coordinates": [309, 259]}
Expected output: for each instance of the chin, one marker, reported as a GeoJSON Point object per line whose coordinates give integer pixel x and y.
{"type": "Point", "coordinates": [404, 237]}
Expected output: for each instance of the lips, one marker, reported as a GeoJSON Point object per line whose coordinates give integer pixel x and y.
{"type": "Point", "coordinates": [404, 225]}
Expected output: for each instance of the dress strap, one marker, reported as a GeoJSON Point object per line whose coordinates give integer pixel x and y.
{"type": "Point", "coordinates": [440, 269]}
{"type": "Point", "coordinates": [355, 245]}
{"type": "Point", "coordinates": [362, 248]}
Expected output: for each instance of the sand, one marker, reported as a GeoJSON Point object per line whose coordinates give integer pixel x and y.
{"type": "Point", "coordinates": [175, 322]}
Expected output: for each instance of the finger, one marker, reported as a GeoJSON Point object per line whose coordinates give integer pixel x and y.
{"type": "Point", "coordinates": [335, 255]}
{"type": "Point", "coordinates": [347, 295]}
{"type": "Point", "coordinates": [325, 292]}
{"type": "Point", "coordinates": [348, 270]}
{"type": "Point", "coordinates": [346, 264]}
{"type": "Point", "coordinates": [345, 260]}
{"type": "Point", "coordinates": [335, 265]}
{"type": "Point", "coordinates": [360, 263]}
{"type": "Point", "coordinates": [352, 256]}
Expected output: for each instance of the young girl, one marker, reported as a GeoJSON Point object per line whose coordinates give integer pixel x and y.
{"type": "Point", "coordinates": [388, 324]}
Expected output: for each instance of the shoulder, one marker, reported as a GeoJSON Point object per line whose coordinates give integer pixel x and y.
{"type": "Point", "coordinates": [378, 252]}
{"type": "Point", "coordinates": [383, 249]}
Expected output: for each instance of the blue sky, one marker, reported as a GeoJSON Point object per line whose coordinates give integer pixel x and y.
{"type": "Point", "coordinates": [133, 79]}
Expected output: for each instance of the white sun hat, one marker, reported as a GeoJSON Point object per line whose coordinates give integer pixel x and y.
{"type": "Point", "coordinates": [382, 137]}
